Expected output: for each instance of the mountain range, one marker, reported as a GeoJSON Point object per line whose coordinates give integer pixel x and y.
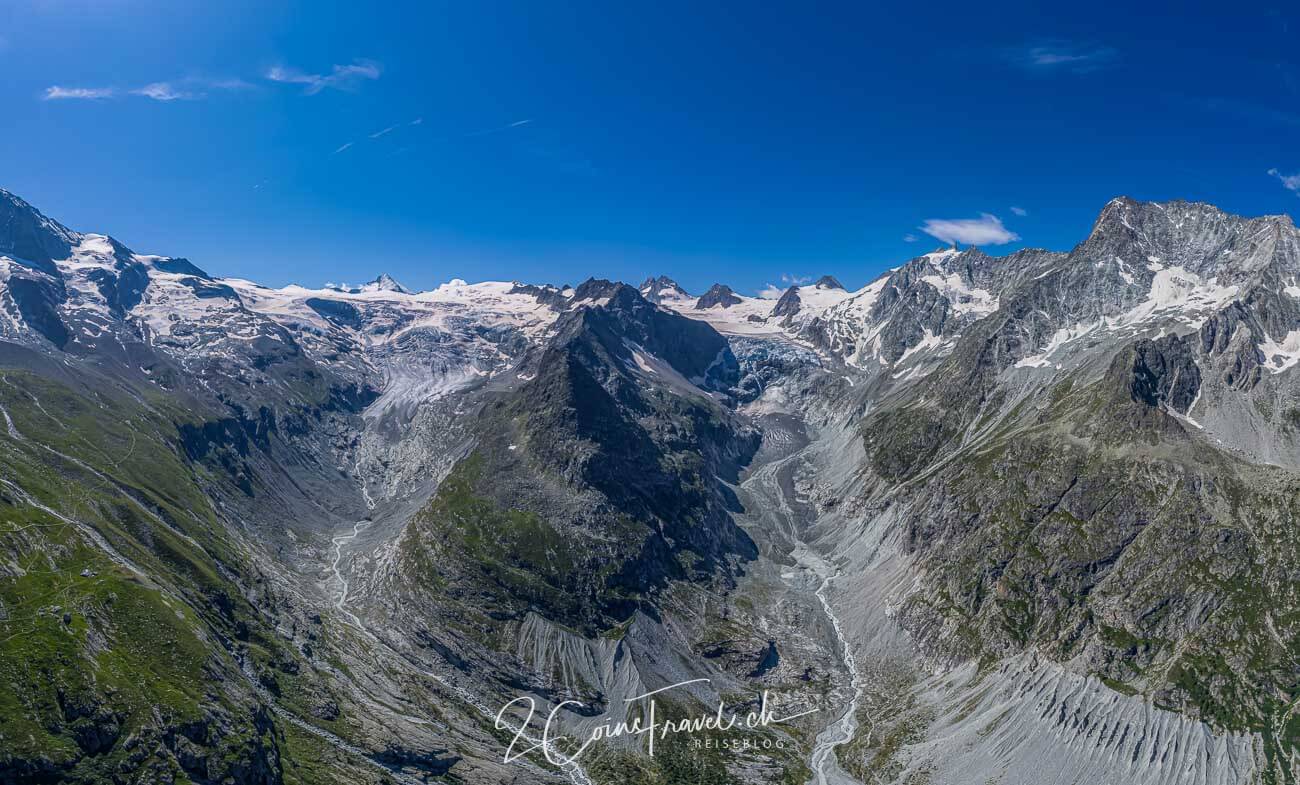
{"type": "Point", "coordinates": [980, 519]}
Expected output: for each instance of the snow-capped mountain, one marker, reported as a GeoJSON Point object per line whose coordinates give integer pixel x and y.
{"type": "Point", "coordinates": [664, 289]}
{"type": "Point", "coordinates": [383, 283]}
{"type": "Point", "coordinates": [1145, 270]}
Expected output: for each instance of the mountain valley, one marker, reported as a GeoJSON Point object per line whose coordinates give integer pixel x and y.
{"type": "Point", "coordinates": [980, 519]}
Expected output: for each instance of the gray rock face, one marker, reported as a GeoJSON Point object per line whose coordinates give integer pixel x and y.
{"type": "Point", "coordinates": [788, 304]}
{"type": "Point", "coordinates": [1164, 372]}
{"type": "Point", "coordinates": [718, 295]}
{"type": "Point", "coordinates": [36, 302]}
{"type": "Point", "coordinates": [923, 306]}
{"type": "Point", "coordinates": [29, 237]}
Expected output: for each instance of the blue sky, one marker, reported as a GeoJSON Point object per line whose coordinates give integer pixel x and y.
{"type": "Point", "coordinates": [751, 143]}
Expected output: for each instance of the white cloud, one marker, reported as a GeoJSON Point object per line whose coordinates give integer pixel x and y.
{"type": "Point", "coordinates": [189, 88]}
{"type": "Point", "coordinates": [1020, 211]}
{"type": "Point", "coordinates": [378, 134]}
{"type": "Point", "coordinates": [985, 230]}
{"type": "Point", "coordinates": [1064, 56]}
{"type": "Point", "coordinates": [163, 91]}
{"type": "Point", "coordinates": [774, 292]}
{"type": "Point", "coordinates": [342, 147]}
{"type": "Point", "coordinates": [340, 77]}
{"type": "Point", "coordinates": [1040, 55]}
{"type": "Point", "coordinates": [57, 93]}
{"type": "Point", "coordinates": [910, 238]}
{"type": "Point", "coordinates": [1291, 182]}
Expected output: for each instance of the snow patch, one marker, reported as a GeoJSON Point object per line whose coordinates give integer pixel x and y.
{"type": "Point", "coordinates": [1178, 291]}
{"type": "Point", "coordinates": [1281, 355]}
{"type": "Point", "coordinates": [963, 297]}
{"type": "Point", "coordinates": [1059, 339]}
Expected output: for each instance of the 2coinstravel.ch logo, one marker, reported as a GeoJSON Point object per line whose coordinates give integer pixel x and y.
{"type": "Point", "coordinates": [650, 723]}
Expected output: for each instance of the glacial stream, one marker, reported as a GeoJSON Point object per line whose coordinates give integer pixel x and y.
{"type": "Point", "coordinates": [342, 597]}
{"type": "Point", "coordinates": [774, 504]}
{"type": "Point", "coordinates": [825, 766]}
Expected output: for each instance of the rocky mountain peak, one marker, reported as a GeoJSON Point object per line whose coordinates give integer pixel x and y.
{"type": "Point", "coordinates": [945, 252]}
{"type": "Point", "coordinates": [27, 236]}
{"type": "Point", "coordinates": [385, 283]}
{"type": "Point", "coordinates": [789, 303]}
{"type": "Point", "coordinates": [1128, 217]}
{"type": "Point", "coordinates": [597, 289]}
{"type": "Point", "coordinates": [1194, 236]}
{"type": "Point", "coordinates": [657, 289]}
{"type": "Point", "coordinates": [717, 295]}
{"type": "Point", "coordinates": [546, 294]}
{"type": "Point", "coordinates": [828, 282]}
{"type": "Point", "coordinates": [179, 266]}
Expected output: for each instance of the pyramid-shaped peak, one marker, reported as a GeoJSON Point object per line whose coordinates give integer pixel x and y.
{"type": "Point", "coordinates": [718, 294]}
{"type": "Point", "coordinates": [385, 283]}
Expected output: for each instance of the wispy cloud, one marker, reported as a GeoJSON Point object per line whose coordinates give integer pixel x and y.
{"type": "Point", "coordinates": [1063, 56]}
{"type": "Point", "coordinates": [498, 129]}
{"type": "Point", "coordinates": [795, 280]}
{"type": "Point", "coordinates": [59, 93]}
{"type": "Point", "coordinates": [985, 230]}
{"type": "Point", "coordinates": [910, 238]}
{"type": "Point", "coordinates": [163, 91]}
{"type": "Point", "coordinates": [771, 292]}
{"type": "Point", "coordinates": [1020, 211]}
{"type": "Point", "coordinates": [340, 77]}
{"type": "Point", "coordinates": [420, 121]}
{"type": "Point", "coordinates": [189, 88]}
{"type": "Point", "coordinates": [381, 133]}
{"type": "Point", "coordinates": [1291, 182]}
